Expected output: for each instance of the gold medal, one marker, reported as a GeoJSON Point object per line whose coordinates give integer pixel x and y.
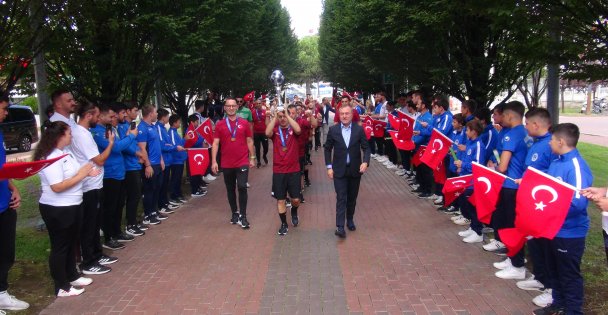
{"type": "Point", "coordinates": [284, 149]}
{"type": "Point", "coordinates": [232, 139]}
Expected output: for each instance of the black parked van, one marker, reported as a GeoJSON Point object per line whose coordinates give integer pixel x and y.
{"type": "Point", "coordinates": [19, 128]}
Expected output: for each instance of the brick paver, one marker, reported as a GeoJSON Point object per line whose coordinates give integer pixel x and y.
{"type": "Point", "coordinates": [404, 258]}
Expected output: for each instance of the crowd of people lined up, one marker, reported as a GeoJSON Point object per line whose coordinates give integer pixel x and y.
{"type": "Point", "coordinates": [108, 161]}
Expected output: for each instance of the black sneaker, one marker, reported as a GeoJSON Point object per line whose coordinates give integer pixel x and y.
{"type": "Point", "coordinates": [151, 219]}
{"type": "Point", "coordinates": [294, 220]}
{"type": "Point", "coordinates": [307, 183]}
{"type": "Point", "coordinates": [182, 199]}
{"type": "Point", "coordinates": [198, 194]}
{"type": "Point", "coordinates": [124, 238]}
{"type": "Point", "coordinates": [287, 203]}
{"type": "Point", "coordinates": [134, 231]}
{"type": "Point", "coordinates": [417, 190]}
{"type": "Point", "coordinates": [142, 226]}
{"type": "Point", "coordinates": [96, 269]}
{"type": "Point", "coordinates": [549, 310]}
{"type": "Point", "coordinates": [235, 218]}
{"type": "Point", "coordinates": [161, 217]}
{"type": "Point", "coordinates": [243, 222]}
{"type": "Point", "coordinates": [283, 229]}
{"type": "Point", "coordinates": [175, 202]}
{"type": "Point", "coordinates": [425, 196]}
{"type": "Point", "coordinates": [107, 260]}
{"type": "Point", "coordinates": [113, 244]}
{"type": "Point", "coordinates": [172, 206]}
{"type": "Point", "coordinates": [165, 210]}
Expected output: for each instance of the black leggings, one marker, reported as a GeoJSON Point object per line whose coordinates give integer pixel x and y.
{"type": "Point", "coordinates": [8, 224]}
{"type": "Point", "coordinates": [233, 178]}
{"type": "Point", "coordinates": [260, 141]}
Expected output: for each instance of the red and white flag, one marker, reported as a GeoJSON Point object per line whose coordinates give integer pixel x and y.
{"type": "Point", "coordinates": [406, 126]}
{"type": "Point", "coordinates": [198, 160]}
{"type": "Point", "coordinates": [379, 127]}
{"type": "Point", "coordinates": [401, 144]}
{"type": "Point", "coordinates": [438, 148]}
{"type": "Point", "coordinates": [513, 239]}
{"type": "Point", "coordinates": [368, 127]}
{"type": "Point", "coordinates": [206, 130]}
{"type": "Point", "coordinates": [454, 187]}
{"type": "Point", "coordinates": [486, 184]}
{"type": "Point", "coordinates": [419, 153]}
{"type": "Point", "coordinates": [440, 173]}
{"type": "Point", "coordinates": [394, 121]}
{"type": "Point", "coordinates": [542, 204]}
{"type": "Point", "coordinates": [21, 170]}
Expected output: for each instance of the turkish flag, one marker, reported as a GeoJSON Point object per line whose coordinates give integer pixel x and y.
{"type": "Point", "coordinates": [486, 184]}
{"type": "Point", "coordinates": [406, 127]}
{"type": "Point", "coordinates": [379, 128]}
{"type": "Point", "coordinates": [206, 130]}
{"type": "Point", "coordinates": [439, 146]}
{"type": "Point", "coordinates": [513, 239]}
{"type": "Point", "coordinates": [394, 121]}
{"type": "Point", "coordinates": [21, 170]}
{"type": "Point", "coordinates": [249, 96]}
{"type": "Point", "coordinates": [542, 204]}
{"type": "Point", "coordinates": [439, 173]}
{"type": "Point", "coordinates": [419, 153]}
{"type": "Point", "coordinates": [198, 159]}
{"type": "Point", "coordinates": [454, 187]}
{"type": "Point", "coordinates": [191, 136]}
{"type": "Point", "coordinates": [401, 144]}
{"type": "Point", "coordinates": [368, 127]}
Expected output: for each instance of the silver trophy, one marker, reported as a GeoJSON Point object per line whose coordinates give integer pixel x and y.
{"type": "Point", "coordinates": [277, 78]}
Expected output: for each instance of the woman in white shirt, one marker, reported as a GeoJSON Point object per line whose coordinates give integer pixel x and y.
{"type": "Point", "coordinates": [60, 206]}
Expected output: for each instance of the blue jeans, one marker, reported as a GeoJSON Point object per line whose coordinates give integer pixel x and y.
{"type": "Point", "coordinates": [151, 188]}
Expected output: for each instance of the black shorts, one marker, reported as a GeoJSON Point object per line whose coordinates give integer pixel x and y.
{"type": "Point", "coordinates": [286, 182]}
{"type": "Point", "coordinates": [302, 161]}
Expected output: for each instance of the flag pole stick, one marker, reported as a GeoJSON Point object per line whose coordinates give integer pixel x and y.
{"type": "Point", "coordinates": [453, 154]}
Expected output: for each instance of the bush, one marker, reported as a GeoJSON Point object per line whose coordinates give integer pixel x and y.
{"type": "Point", "coordinates": [32, 102]}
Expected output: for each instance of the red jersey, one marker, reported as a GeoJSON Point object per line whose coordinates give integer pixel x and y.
{"type": "Point", "coordinates": [303, 139]}
{"type": "Point", "coordinates": [234, 153]}
{"type": "Point", "coordinates": [285, 161]}
{"type": "Point", "coordinates": [259, 120]}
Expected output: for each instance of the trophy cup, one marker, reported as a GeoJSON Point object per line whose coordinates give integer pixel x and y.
{"type": "Point", "coordinates": [277, 78]}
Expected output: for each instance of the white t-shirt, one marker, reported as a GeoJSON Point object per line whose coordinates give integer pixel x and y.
{"type": "Point", "coordinates": [84, 148]}
{"type": "Point", "coordinates": [68, 120]}
{"type": "Point", "coordinates": [56, 173]}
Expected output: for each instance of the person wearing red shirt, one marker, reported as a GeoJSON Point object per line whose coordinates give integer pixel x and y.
{"type": "Point", "coordinates": [259, 132]}
{"type": "Point", "coordinates": [285, 171]}
{"type": "Point", "coordinates": [307, 124]}
{"type": "Point", "coordinates": [236, 139]}
{"type": "Point", "coordinates": [345, 100]}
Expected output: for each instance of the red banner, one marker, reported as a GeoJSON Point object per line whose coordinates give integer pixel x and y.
{"type": "Point", "coordinates": [21, 170]}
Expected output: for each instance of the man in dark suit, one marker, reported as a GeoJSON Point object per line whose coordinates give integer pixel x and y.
{"type": "Point", "coordinates": [326, 122]}
{"type": "Point", "coordinates": [347, 140]}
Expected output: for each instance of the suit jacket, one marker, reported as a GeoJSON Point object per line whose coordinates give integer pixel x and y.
{"type": "Point", "coordinates": [335, 142]}
{"type": "Point", "coordinates": [325, 113]}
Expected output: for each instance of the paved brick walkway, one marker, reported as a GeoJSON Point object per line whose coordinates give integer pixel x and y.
{"type": "Point", "coordinates": [404, 258]}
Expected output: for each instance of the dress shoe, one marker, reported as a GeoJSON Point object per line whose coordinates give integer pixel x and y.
{"type": "Point", "coordinates": [340, 232]}
{"type": "Point", "coordinates": [351, 225]}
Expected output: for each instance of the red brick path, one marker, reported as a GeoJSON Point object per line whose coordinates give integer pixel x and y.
{"type": "Point", "coordinates": [404, 258]}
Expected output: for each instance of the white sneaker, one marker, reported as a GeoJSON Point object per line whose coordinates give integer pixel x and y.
{"type": "Point", "coordinates": [374, 155]}
{"type": "Point", "coordinates": [11, 303]}
{"type": "Point", "coordinates": [400, 172]}
{"type": "Point", "coordinates": [387, 162]}
{"type": "Point", "coordinates": [493, 246]}
{"type": "Point", "coordinates": [530, 284]}
{"type": "Point", "coordinates": [415, 186]}
{"type": "Point", "coordinates": [462, 221]}
{"type": "Point", "coordinates": [456, 217]}
{"type": "Point", "coordinates": [72, 292]}
{"type": "Point", "coordinates": [81, 282]}
{"type": "Point", "coordinates": [209, 178]}
{"type": "Point", "coordinates": [435, 197]}
{"type": "Point", "coordinates": [465, 233]}
{"type": "Point", "coordinates": [382, 159]}
{"type": "Point", "coordinates": [248, 186]}
{"type": "Point", "coordinates": [515, 273]}
{"type": "Point", "coordinates": [391, 166]}
{"type": "Point", "coordinates": [544, 299]}
{"type": "Point", "coordinates": [473, 238]}
{"type": "Point", "coordinates": [503, 264]}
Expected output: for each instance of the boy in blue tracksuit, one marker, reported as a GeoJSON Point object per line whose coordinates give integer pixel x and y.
{"type": "Point", "coordinates": [196, 180]}
{"type": "Point", "coordinates": [494, 150]}
{"type": "Point", "coordinates": [474, 152]}
{"type": "Point", "coordinates": [458, 136]}
{"type": "Point", "coordinates": [177, 160]}
{"type": "Point", "coordinates": [442, 121]}
{"type": "Point", "coordinates": [512, 164]}
{"type": "Point", "coordinates": [422, 134]}
{"type": "Point", "coordinates": [489, 137]}
{"type": "Point", "coordinates": [113, 177]}
{"type": "Point", "coordinates": [167, 149]}
{"type": "Point", "coordinates": [568, 246]}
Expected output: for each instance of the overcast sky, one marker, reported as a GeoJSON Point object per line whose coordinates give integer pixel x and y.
{"type": "Point", "coordinates": [305, 16]}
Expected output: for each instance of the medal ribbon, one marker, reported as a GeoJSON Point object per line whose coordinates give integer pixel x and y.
{"type": "Point", "coordinates": [236, 126]}
{"type": "Point", "coordinates": [284, 138]}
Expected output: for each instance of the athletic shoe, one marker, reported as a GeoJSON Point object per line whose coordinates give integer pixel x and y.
{"type": "Point", "coordinates": [134, 231]}
{"type": "Point", "coordinates": [387, 162]}
{"type": "Point", "coordinates": [151, 220]}
{"type": "Point", "coordinates": [503, 264]}
{"type": "Point", "coordinates": [81, 282]}
{"type": "Point", "coordinates": [530, 284]}
{"type": "Point", "coordinates": [11, 303]}
{"type": "Point", "coordinates": [414, 186]}
{"type": "Point", "coordinates": [493, 246]}
{"type": "Point", "coordinates": [438, 201]}
{"type": "Point", "coordinates": [382, 159]}
{"type": "Point", "coordinates": [165, 210]}
{"type": "Point", "coordinates": [243, 222]}
{"type": "Point", "coordinates": [71, 292]}
{"type": "Point", "coordinates": [409, 173]}
{"type": "Point", "coordinates": [161, 216]}
{"type": "Point", "coordinates": [462, 221]}
{"type": "Point", "coordinates": [456, 217]}
{"type": "Point", "coordinates": [294, 220]}
{"type": "Point", "coordinates": [107, 260]}
{"type": "Point", "coordinates": [473, 238]}
{"type": "Point", "coordinates": [248, 186]}
{"type": "Point", "coordinates": [288, 203]}
{"type": "Point", "coordinates": [182, 199]}
{"type": "Point", "coordinates": [172, 207]}
{"type": "Point", "coordinates": [435, 196]}
{"type": "Point", "coordinates": [124, 237]}
{"type": "Point", "coordinates": [550, 310]}
{"type": "Point", "coordinates": [400, 172]}
{"type": "Point", "coordinates": [391, 166]}
{"type": "Point", "coordinates": [306, 183]}
{"type": "Point", "coordinates": [283, 229]}
{"type": "Point", "coordinates": [209, 178]}
{"type": "Point", "coordinates": [374, 155]}
{"type": "Point", "coordinates": [448, 210]}
{"type": "Point", "coordinates": [515, 273]}
{"type": "Point", "coordinates": [235, 218]}
{"type": "Point", "coordinates": [425, 196]}
{"type": "Point", "coordinates": [466, 233]}
{"type": "Point", "coordinates": [544, 299]}
{"type": "Point", "coordinates": [113, 244]}
{"type": "Point", "coordinates": [142, 226]}
{"type": "Point", "coordinates": [197, 194]}
{"type": "Point", "coordinates": [175, 202]}
{"type": "Point", "coordinates": [96, 269]}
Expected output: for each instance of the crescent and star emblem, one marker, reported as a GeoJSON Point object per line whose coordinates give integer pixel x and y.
{"type": "Point", "coordinates": [207, 130]}
{"type": "Point", "coordinates": [487, 182]}
{"type": "Point", "coordinates": [440, 145]}
{"type": "Point", "coordinates": [199, 162]}
{"type": "Point", "coordinates": [540, 205]}
{"type": "Point", "coordinates": [405, 121]}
